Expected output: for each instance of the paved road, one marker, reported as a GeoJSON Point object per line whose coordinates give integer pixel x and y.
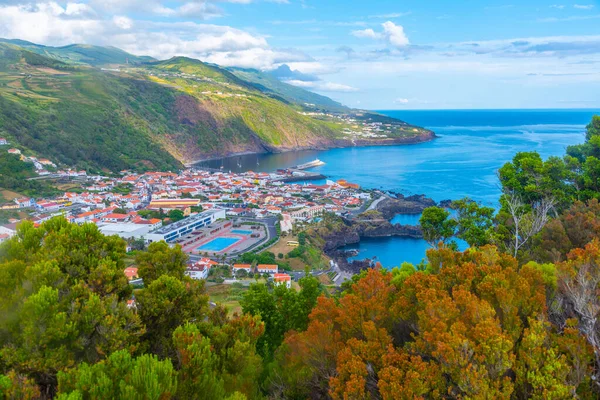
{"type": "Point", "coordinates": [372, 206]}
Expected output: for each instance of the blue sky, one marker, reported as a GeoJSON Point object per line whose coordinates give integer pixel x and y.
{"type": "Point", "coordinates": [380, 54]}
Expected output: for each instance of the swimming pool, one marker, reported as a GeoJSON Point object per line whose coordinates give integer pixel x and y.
{"type": "Point", "coordinates": [242, 232]}
{"type": "Point", "coordinates": [218, 244]}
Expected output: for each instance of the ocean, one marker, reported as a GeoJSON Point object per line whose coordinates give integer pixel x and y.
{"type": "Point", "coordinates": [462, 161]}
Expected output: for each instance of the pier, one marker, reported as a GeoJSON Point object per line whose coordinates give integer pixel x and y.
{"type": "Point", "coordinates": [298, 176]}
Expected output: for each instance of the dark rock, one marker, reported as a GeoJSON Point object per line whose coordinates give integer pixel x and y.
{"type": "Point", "coordinates": [446, 203]}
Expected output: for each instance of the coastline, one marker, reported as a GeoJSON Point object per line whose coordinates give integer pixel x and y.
{"type": "Point", "coordinates": [427, 136]}
{"type": "Point", "coordinates": [375, 223]}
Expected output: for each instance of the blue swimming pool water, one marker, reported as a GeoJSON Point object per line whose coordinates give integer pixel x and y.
{"type": "Point", "coordinates": [218, 244]}
{"type": "Point", "coordinates": [241, 232]}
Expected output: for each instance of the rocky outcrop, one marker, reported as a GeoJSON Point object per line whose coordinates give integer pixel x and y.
{"type": "Point", "coordinates": [390, 207]}
{"type": "Point", "coordinates": [340, 238]}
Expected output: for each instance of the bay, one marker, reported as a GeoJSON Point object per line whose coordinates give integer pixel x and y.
{"type": "Point", "coordinates": [471, 146]}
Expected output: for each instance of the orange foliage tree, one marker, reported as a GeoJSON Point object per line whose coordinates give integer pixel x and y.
{"type": "Point", "coordinates": [473, 325]}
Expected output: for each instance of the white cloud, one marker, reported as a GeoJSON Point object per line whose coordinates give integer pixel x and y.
{"type": "Point", "coordinates": [392, 34]}
{"type": "Point", "coordinates": [391, 15]}
{"type": "Point", "coordinates": [401, 101]}
{"type": "Point", "coordinates": [48, 23]}
{"type": "Point", "coordinates": [557, 6]}
{"type": "Point", "coordinates": [584, 6]}
{"type": "Point", "coordinates": [78, 9]}
{"type": "Point", "coordinates": [395, 34]}
{"type": "Point", "coordinates": [323, 86]}
{"type": "Point", "coordinates": [367, 33]}
{"type": "Point", "coordinates": [123, 22]}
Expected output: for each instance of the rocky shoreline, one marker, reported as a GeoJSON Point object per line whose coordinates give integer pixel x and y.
{"type": "Point", "coordinates": [372, 224]}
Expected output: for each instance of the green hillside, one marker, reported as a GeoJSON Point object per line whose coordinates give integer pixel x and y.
{"type": "Point", "coordinates": [81, 53]}
{"type": "Point", "coordinates": [269, 83]}
{"type": "Point", "coordinates": [146, 117]}
{"type": "Point", "coordinates": [155, 115]}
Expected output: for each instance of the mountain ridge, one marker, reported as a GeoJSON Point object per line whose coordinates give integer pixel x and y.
{"type": "Point", "coordinates": [163, 114]}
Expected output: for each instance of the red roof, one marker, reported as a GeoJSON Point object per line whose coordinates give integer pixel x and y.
{"type": "Point", "coordinates": [272, 267]}
{"type": "Point", "coordinates": [282, 277]}
{"type": "Point", "coordinates": [131, 272]}
{"type": "Point", "coordinates": [116, 216]}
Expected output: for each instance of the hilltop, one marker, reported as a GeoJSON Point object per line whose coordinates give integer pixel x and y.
{"type": "Point", "coordinates": [102, 109]}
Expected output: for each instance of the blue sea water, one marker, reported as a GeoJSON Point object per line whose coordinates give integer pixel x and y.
{"type": "Point", "coordinates": [462, 161]}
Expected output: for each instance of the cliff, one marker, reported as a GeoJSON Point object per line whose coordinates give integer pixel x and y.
{"type": "Point", "coordinates": [62, 104]}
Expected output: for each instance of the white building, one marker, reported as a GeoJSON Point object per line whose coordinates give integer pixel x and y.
{"type": "Point", "coordinates": [282, 279]}
{"type": "Point", "coordinates": [126, 230]}
{"type": "Point", "coordinates": [172, 232]}
{"type": "Point", "coordinates": [267, 268]}
{"type": "Point", "coordinates": [197, 271]}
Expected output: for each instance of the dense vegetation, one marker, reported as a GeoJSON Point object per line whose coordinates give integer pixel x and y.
{"type": "Point", "coordinates": [14, 174]}
{"type": "Point", "coordinates": [516, 316]}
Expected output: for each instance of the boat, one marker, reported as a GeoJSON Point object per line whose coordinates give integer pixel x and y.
{"type": "Point", "coordinates": [315, 163]}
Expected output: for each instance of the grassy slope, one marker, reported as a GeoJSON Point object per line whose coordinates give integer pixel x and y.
{"type": "Point", "coordinates": [151, 116]}
{"type": "Point", "coordinates": [293, 94]}
{"type": "Point", "coordinates": [70, 115]}
{"type": "Point", "coordinates": [81, 53]}
{"type": "Point", "coordinates": [102, 120]}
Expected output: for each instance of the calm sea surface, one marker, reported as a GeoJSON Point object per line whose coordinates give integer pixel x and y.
{"type": "Point", "coordinates": [463, 161]}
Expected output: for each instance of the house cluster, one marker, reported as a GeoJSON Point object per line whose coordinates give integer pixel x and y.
{"type": "Point", "coordinates": [251, 194]}
{"type": "Point", "coordinates": [43, 166]}
{"type": "Point", "coordinates": [356, 128]}
{"type": "Point", "coordinates": [264, 269]}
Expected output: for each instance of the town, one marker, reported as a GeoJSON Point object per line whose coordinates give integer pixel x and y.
{"type": "Point", "coordinates": [215, 216]}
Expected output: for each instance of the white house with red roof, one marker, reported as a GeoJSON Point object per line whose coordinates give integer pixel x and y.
{"type": "Point", "coordinates": [131, 273]}
{"type": "Point", "coordinates": [23, 202]}
{"type": "Point", "coordinates": [282, 279]}
{"type": "Point", "coordinates": [267, 268]}
{"type": "Point", "coordinates": [197, 271]}
{"type": "Point", "coordinates": [115, 217]}
{"type": "Point", "coordinates": [242, 267]}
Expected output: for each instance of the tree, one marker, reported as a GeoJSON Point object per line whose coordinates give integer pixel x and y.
{"type": "Point", "coordinates": [64, 300]}
{"type": "Point", "coordinates": [579, 285]}
{"type": "Point", "coordinates": [437, 226]}
{"type": "Point", "coordinates": [593, 128]}
{"type": "Point", "coordinates": [281, 309]}
{"type": "Point", "coordinates": [302, 238]}
{"type": "Point", "coordinates": [196, 209]}
{"type": "Point", "coordinates": [120, 376]}
{"type": "Point", "coordinates": [199, 376]}
{"type": "Point", "coordinates": [15, 386]}
{"type": "Point", "coordinates": [218, 357]}
{"type": "Point", "coordinates": [475, 222]}
{"type": "Point", "coordinates": [532, 179]}
{"type": "Point", "coordinates": [176, 215]}
{"type": "Point", "coordinates": [167, 303]}
{"type": "Point", "coordinates": [475, 329]}
{"type": "Point", "coordinates": [161, 259]}
{"type": "Point", "coordinates": [525, 221]}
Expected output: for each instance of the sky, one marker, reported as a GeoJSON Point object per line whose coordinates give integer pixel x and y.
{"type": "Point", "coordinates": [378, 54]}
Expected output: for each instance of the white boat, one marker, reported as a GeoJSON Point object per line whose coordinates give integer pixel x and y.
{"type": "Point", "coordinates": [315, 163]}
